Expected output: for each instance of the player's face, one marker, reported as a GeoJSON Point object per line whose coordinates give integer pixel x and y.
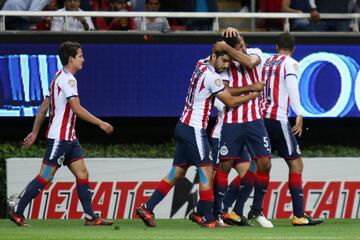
{"type": "Point", "coordinates": [222, 63]}
{"type": "Point", "coordinates": [241, 45]}
{"type": "Point", "coordinates": [78, 61]}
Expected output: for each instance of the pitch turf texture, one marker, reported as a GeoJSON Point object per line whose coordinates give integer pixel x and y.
{"type": "Point", "coordinates": [175, 229]}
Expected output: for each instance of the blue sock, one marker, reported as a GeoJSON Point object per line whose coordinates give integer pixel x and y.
{"type": "Point", "coordinates": [245, 189]}
{"type": "Point", "coordinates": [205, 204]}
{"type": "Point", "coordinates": [220, 185]}
{"type": "Point", "coordinates": [261, 185]}
{"type": "Point", "coordinates": [31, 191]}
{"type": "Point", "coordinates": [83, 190]}
{"type": "Point", "coordinates": [231, 194]}
{"type": "Point", "coordinates": [296, 191]}
{"type": "Point", "coordinates": [160, 192]}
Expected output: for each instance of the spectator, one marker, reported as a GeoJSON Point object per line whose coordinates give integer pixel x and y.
{"type": "Point", "coordinates": [271, 6]}
{"type": "Point", "coordinates": [138, 5]}
{"type": "Point", "coordinates": [73, 23]}
{"type": "Point", "coordinates": [116, 23]}
{"type": "Point", "coordinates": [203, 24]}
{"type": "Point", "coordinates": [85, 5]}
{"type": "Point", "coordinates": [354, 7]}
{"type": "Point", "coordinates": [23, 23]}
{"type": "Point", "coordinates": [297, 6]}
{"type": "Point", "coordinates": [153, 23]}
{"type": "Point", "coordinates": [45, 24]}
{"type": "Point", "coordinates": [325, 6]}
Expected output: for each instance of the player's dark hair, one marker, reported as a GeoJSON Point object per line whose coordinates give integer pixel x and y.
{"type": "Point", "coordinates": [285, 41]}
{"type": "Point", "coordinates": [220, 53]}
{"type": "Point", "coordinates": [231, 41]}
{"type": "Point", "coordinates": [66, 50]}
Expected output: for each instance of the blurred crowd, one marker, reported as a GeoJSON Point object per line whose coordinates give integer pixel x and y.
{"type": "Point", "coordinates": [315, 7]}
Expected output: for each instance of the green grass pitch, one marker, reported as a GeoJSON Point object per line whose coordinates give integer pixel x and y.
{"type": "Point", "coordinates": [175, 229]}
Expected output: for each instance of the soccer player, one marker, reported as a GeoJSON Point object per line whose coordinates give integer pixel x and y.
{"type": "Point", "coordinates": [280, 73]}
{"type": "Point", "coordinates": [244, 127]}
{"type": "Point", "coordinates": [192, 145]}
{"type": "Point", "coordinates": [62, 146]}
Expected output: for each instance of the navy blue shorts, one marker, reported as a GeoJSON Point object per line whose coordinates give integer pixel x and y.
{"type": "Point", "coordinates": [214, 143]}
{"type": "Point", "coordinates": [62, 152]}
{"type": "Point", "coordinates": [235, 136]}
{"type": "Point", "coordinates": [282, 139]}
{"type": "Point", "coordinates": [192, 146]}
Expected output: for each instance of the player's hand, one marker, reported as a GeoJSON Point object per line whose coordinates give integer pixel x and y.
{"type": "Point", "coordinates": [258, 86]}
{"type": "Point", "coordinates": [231, 32]}
{"type": "Point", "coordinates": [315, 16]}
{"type": "Point", "coordinates": [254, 95]}
{"type": "Point", "coordinates": [106, 127]}
{"type": "Point", "coordinates": [297, 129]}
{"type": "Point", "coordinates": [29, 140]}
{"type": "Point", "coordinates": [219, 47]}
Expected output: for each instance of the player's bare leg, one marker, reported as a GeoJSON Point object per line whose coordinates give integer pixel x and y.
{"type": "Point", "coordinates": [145, 211]}
{"type": "Point", "coordinates": [45, 176]}
{"type": "Point", "coordinates": [78, 168]}
{"type": "Point", "coordinates": [300, 218]}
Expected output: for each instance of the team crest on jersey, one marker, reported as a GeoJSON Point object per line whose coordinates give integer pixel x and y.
{"type": "Point", "coordinates": [72, 83]}
{"type": "Point", "coordinates": [223, 150]}
{"type": "Point", "coordinates": [61, 159]}
{"type": "Point", "coordinates": [218, 82]}
{"type": "Point", "coordinates": [296, 67]}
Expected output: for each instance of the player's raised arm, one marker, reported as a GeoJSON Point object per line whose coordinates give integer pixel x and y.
{"type": "Point", "coordinates": [88, 117]}
{"type": "Point", "coordinates": [40, 117]}
{"type": "Point", "coordinates": [250, 61]}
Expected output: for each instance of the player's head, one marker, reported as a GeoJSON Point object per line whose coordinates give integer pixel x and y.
{"type": "Point", "coordinates": [72, 5]}
{"type": "Point", "coordinates": [236, 42]}
{"type": "Point", "coordinates": [285, 42]}
{"type": "Point", "coordinates": [71, 53]}
{"type": "Point", "coordinates": [220, 61]}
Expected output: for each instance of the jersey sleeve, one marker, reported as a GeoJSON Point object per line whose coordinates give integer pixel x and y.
{"type": "Point", "coordinates": [292, 68]}
{"type": "Point", "coordinates": [214, 83]}
{"type": "Point", "coordinates": [254, 51]}
{"type": "Point", "coordinates": [69, 87]}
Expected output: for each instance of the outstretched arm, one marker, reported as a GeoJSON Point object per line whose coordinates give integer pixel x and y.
{"type": "Point", "coordinates": [88, 117]}
{"type": "Point", "coordinates": [40, 117]}
{"type": "Point", "coordinates": [237, 91]}
{"type": "Point", "coordinates": [234, 101]}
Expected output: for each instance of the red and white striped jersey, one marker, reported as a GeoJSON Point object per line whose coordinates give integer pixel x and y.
{"type": "Point", "coordinates": [240, 76]}
{"type": "Point", "coordinates": [62, 119]}
{"type": "Point", "coordinates": [276, 95]}
{"type": "Point", "coordinates": [204, 84]}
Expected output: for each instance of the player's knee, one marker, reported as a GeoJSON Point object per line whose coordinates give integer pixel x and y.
{"type": "Point", "coordinates": [296, 166]}
{"type": "Point", "coordinates": [83, 174]}
{"type": "Point", "coordinates": [47, 173]}
{"type": "Point", "coordinates": [264, 165]}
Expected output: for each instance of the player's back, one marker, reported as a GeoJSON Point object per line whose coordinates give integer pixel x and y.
{"type": "Point", "coordinates": [276, 97]}
{"type": "Point", "coordinates": [204, 83]}
{"type": "Point", "coordinates": [62, 118]}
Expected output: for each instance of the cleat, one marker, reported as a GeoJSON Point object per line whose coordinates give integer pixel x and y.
{"type": "Point", "coordinates": [97, 222]}
{"type": "Point", "coordinates": [196, 218]}
{"type": "Point", "coordinates": [146, 216]}
{"type": "Point", "coordinates": [234, 219]}
{"type": "Point", "coordinates": [209, 224]}
{"type": "Point", "coordinates": [306, 220]}
{"type": "Point", "coordinates": [231, 218]}
{"type": "Point", "coordinates": [18, 219]}
{"type": "Point", "coordinates": [220, 223]}
{"type": "Point", "coordinates": [260, 219]}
